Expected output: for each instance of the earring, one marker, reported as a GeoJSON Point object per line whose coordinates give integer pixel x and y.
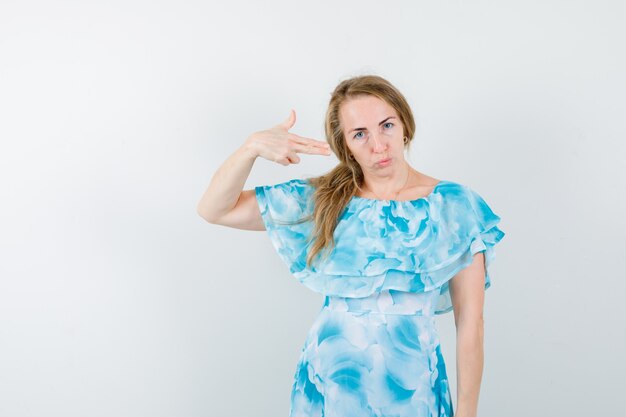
{"type": "Point", "coordinates": [351, 157]}
{"type": "Point", "coordinates": [406, 140]}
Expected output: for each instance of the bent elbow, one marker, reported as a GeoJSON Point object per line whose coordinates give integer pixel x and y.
{"type": "Point", "coordinates": [205, 215]}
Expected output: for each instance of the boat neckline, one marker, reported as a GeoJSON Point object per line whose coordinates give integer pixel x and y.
{"type": "Point", "coordinates": [376, 200]}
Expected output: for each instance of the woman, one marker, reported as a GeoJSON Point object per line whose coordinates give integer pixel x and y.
{"type": "Point", "coordinates": [387, 245]}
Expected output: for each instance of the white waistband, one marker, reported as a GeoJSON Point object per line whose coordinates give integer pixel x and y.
{"type": "Point", "coordinates": [385, 302]}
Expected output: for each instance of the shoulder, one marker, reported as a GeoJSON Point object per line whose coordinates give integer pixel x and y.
{"type": "Point", "coordinates": [457, 189]}
{"type": "Point", "coordinates": [291, 188]}
{"type": "Point", "coordinates": [453, 190]}
{"type": "Point", "coordinates": [465, 202]}
{"type": "Point", "coordinates": [462, 198]}
{"type": "Point", "coordinates": [289, 198]}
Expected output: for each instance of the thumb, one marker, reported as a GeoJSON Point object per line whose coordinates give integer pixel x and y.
{"type": "Point", "coordinates": [289, 121]}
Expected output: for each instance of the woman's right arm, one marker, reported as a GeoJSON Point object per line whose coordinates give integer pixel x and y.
{"type": "Point", "coordinates": [225, 202]}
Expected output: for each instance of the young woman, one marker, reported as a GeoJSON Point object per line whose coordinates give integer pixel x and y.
{"type": "Point", "coordinates": [389, 247]}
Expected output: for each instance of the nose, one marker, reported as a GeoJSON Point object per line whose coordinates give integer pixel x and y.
{"type": "Point", "coordinates": [379, 142]}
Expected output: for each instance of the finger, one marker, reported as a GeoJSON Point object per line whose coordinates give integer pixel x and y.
{"type": "Point", "coordinates": [311, 149]}
{"type": "Point", "coordinates": [310, 141]}
{"type": "Point", "coordinates": [293, 158]}
{"type": "Point", "coordinates": [289, 121]}
{"type": "Point", "coordinates": [283, 161]}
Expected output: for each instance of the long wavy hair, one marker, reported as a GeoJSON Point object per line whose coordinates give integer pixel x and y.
{"type": "Point", "coordinates": [334, 189]}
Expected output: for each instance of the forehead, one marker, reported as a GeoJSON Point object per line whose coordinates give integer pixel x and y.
{"type": "Point", "coordinates": [364, 111]}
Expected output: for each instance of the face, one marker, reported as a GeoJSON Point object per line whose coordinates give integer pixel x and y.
{"type": "Point", "coordinates": [373, 133]}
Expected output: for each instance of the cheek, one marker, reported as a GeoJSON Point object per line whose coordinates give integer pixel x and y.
{"type": "Point", "coordinates": [355, 146]}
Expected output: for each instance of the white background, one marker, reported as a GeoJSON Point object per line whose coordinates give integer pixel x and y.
{"type": "Point", "coordinates": [117, 299]}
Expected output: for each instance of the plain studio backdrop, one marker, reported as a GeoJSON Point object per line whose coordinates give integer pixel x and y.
{"type": "Point", "coordinates": [117, 299]}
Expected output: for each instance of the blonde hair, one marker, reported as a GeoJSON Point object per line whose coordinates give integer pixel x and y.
{"type": "Point", "coordinates": [334, 189]}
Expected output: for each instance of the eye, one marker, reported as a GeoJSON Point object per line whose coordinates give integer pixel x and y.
{"type": "Point", "coordinates": [357, 133]}
{"type": "Point", "coordinates": [388, 123]}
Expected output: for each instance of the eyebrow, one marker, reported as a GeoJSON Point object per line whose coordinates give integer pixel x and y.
{"type": "Point", "coordinates": [362, 128]}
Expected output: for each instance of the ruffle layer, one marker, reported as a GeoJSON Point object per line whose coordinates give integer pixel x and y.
{"type": "Point", "coordinates": [412, 246]}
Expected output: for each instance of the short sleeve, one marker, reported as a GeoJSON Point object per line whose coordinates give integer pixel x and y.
{"type": "Point", "coordinates": [483, 232]}
{"type": "Point", "coordinates": [282, 206]}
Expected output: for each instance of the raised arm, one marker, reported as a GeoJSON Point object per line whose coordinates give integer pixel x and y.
{"type": "Point", "coordinates": [225, 202]}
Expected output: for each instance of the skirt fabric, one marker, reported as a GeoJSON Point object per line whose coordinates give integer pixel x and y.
{"type": "Point", "coordinates": [377, 356]}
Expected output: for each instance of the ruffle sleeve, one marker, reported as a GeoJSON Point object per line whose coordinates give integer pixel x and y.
{"type": "Point", "coordinates": [479, 232]}
{"type": "Point", "coordinates": [281, 205]}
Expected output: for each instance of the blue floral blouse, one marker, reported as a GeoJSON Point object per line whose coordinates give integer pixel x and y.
{"type": "Point", "coordinates": [410, 246]}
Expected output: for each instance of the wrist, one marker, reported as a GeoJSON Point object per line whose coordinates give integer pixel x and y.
{"type": "Point", "coordinates": [464, 412]}
{"type": "Point", "coordinates": [249, 150]}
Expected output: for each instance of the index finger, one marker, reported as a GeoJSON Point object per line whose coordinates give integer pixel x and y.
{"type": "Point", "coordinates": [311, 142]}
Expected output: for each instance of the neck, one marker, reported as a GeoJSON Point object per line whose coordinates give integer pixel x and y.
{"type": "Point", "coordinates": [392, 186]}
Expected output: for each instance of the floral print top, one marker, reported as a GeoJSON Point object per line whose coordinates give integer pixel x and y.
{"type": "Point", "coordinates": [410, 246]}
